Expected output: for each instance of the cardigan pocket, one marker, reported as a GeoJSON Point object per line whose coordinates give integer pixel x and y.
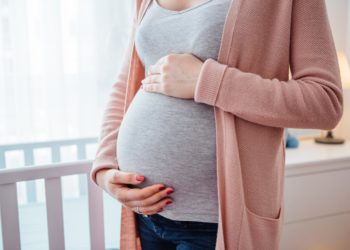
{"type": "Point", "coordinates": [260, 232]}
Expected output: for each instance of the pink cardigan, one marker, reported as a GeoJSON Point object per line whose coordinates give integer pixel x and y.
{"type": "Point", "coordinates": [253, 101]}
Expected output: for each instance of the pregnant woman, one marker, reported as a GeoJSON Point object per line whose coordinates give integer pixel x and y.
{"type": "Point", "coordinates": [171, 140]}
{"type": "Point", "coordinates": [192, 141]}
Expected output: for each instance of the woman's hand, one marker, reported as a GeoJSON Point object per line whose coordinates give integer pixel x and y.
{"type": "Point", "coordinates": [174, 75]}
{"type": "Point", "coordinates": [151, 199]}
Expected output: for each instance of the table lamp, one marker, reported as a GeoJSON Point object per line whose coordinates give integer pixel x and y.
{"type": "Point", "coordinates": [344, 124]}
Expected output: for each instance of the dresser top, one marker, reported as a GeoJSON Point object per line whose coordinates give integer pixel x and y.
{"type": "Point", "coordinates": [318, 156]}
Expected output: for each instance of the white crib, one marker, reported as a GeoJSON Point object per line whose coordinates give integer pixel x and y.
{"type": "Point", "coordinates": [51, 174]}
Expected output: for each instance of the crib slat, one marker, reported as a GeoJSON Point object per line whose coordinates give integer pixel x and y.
{"type": "Point", "coordinates": [9, 217]}
{"type": "Point", "coordinates": [2, 159]}
{"type": "Point", "coordinates": [54, 210]}
{"type": "Point", "coordinates": [55, 153]}
{"type": "Point", "coordinates": [31, 185]}
{"type": "Point", "coordinates": [95, 199]}
{"type": "Point", "coordinates": [82, 156]}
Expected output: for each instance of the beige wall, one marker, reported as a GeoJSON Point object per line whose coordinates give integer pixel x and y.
{"type": "Point", "coordinates": [343, 128]}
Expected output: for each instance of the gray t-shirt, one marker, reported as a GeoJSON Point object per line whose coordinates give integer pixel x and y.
{"type": "Point", "coordinates": [172, 140]}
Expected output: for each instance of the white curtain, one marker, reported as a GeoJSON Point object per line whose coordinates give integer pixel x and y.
{"type": "Point", "coordinates": [58, 60]}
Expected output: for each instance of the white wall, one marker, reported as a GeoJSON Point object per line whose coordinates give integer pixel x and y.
{"type": "Point", "coordinates": [338, 17]}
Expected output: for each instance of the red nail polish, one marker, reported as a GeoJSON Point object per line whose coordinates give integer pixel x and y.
{"type": "Point", "coordinates": [168, 202]}
{"type": "Point", "coordinates": [140, 178]}
{"type": "Point", "coordinates": [161, 188]}
{"type": "Point", "coordinates": [170, 191]}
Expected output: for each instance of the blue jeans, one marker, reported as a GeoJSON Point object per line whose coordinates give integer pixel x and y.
{"type": "Point", "coordinates": [160, 233]}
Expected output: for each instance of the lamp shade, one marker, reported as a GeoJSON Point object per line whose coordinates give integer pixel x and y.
{"type": "Point", "coordinates": [343, 128]}
{"type": "Point", "coordinates": [344, 69]}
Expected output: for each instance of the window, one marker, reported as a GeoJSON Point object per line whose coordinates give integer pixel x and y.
{"type": "Point", "coordinates": [58, 60]}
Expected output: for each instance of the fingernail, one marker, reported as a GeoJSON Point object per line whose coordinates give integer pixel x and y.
{"type": "Point", "coordinates": [161, 188]}
{"type": "Point", "coordinates": [140, 178]}
{"type": "Point", "coordinates": [170, 191]}
{"type": "Point", "coordinates": [168, 202]}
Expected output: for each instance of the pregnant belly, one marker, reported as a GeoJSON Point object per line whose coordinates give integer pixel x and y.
{"type": "Point", "coordinates": [168, 140]}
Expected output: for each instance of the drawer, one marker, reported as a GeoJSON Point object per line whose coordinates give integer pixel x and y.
{"type": "Point", "coordinates": [328, 233]}
{"type": "Point", "coordinates": [317, 195]}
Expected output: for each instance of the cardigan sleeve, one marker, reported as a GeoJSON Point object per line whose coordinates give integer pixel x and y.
{"type": "Point", "coordinates": [105, 156]}
{"type": "Point", "coordinates": [313, 98]}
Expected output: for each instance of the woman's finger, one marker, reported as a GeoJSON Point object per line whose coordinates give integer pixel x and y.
{"type": "Point", "coordinates": [152, 199]}
{"type": "Point", "coordinates": [126, 195]}
{"type": "Point", "coordinates": [121, 177]}
{"type": "Point", "coordinates": [152, 79]}
{"type": "Point", "coordinates": [155, 208]}
{"type": "Point", "coordinates": [153, 87]}
{"type": "Point", "coordinates": [155, 69]}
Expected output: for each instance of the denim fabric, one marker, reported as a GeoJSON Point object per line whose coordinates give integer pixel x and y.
{"type": "Point", "coordinates": [160, 233]}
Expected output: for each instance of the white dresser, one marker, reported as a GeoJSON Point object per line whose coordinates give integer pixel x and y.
{"type": "Point", "coordinates": [317, 197]}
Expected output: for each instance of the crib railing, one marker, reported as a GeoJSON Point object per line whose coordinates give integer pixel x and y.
{"type": "Point", "coordinates": [55, 147]}
{"type": "Point", "coordinates": [51, 174]}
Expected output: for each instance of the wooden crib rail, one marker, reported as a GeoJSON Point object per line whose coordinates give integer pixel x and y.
{"type": "Point", "coordinates": [52, 174]}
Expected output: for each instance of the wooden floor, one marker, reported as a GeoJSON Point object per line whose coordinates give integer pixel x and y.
{"type": "Point", "coordinates": [33, 226]}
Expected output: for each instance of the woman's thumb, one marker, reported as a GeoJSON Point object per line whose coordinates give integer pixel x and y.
{"type": "Point", "coordinates": [123, 177]}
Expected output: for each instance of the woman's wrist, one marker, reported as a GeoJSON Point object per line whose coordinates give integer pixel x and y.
{"type": "Point", "coordinates": [100, 177]}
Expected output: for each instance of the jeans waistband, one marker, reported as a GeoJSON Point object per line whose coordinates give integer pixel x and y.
{"type": "Point", "coordinates": [161, 219]}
